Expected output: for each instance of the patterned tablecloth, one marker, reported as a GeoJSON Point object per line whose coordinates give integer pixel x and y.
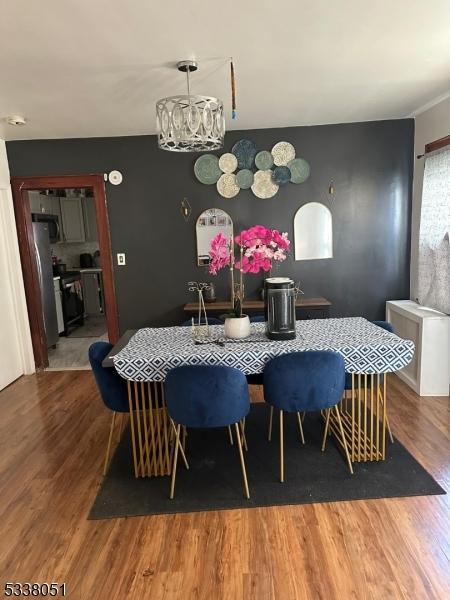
{"type": "Point", "coordinates": [366, 348]}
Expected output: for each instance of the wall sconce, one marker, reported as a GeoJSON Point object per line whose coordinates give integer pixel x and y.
{"type": "Point", "coordinates": [331, 190]}
{"type": "Point", "coordinates": [185, 209]}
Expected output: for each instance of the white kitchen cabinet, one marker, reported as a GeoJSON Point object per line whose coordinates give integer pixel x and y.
{"type": "Point", "coordinates": [428, 374]}
{"type": "Point", "coordinates": [41, 203]}
{"type": "Point", "coordinates": [72, 219]}
{"type": "Point", "coordinates": [90, 220]}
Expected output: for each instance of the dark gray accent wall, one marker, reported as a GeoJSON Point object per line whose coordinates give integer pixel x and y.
{"type": "Point", "coordinates": [369, 163]}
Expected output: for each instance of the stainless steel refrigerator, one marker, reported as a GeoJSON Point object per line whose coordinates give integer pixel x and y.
{"type": "Point", "coordinates": [45, 274]}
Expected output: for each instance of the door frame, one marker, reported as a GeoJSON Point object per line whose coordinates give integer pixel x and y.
{"type": "Point", "coordinates": [20, 186]}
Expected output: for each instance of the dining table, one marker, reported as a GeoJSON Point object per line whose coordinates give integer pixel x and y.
{"type": "Point", "coordinates": [144, 357]}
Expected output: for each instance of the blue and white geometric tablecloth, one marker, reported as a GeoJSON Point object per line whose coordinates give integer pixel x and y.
{"type": "Point", "coordinates": [366, 348]}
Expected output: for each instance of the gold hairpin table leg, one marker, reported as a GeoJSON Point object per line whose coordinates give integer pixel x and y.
{"type": "Point", "coordinates": [152, 439]}
{"type": "Point", "coordinates": [359, 426]}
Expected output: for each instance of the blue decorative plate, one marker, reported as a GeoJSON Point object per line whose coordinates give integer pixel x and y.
{"type": "Point", "coordinates": [264, 160]}
{"type": "Point", "coordinates": [244, 179]}
{"type": "Point", "coordinates": [299, 170]}
{"type": "Point", "coordinates": [281, 175]}
{"type": "Point", "coordinates": [206, 169]}
{"type": "Point", "coordinates": [245, 152]}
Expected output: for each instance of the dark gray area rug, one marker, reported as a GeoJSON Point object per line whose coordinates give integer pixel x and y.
{"type": "Point", "coordinates": [214, 480]}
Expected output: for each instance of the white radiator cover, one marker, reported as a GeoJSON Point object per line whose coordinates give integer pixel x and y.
{"type": "Point", "coordinates": [428, 374]}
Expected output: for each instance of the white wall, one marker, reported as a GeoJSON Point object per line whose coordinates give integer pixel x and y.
{"type": "Point", "coordinates": [16, 353]}
{"type": "Point", "coordinates": [431, 125]}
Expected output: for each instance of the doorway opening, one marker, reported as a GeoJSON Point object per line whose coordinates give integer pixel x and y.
{"type": "Point", "coordinates": [66, 258]}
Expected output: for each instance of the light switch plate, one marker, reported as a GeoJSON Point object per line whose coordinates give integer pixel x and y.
{"type": "Point", "coordinates": [121, 261]}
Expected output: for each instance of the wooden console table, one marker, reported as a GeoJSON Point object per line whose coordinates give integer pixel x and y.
{"type": "Point", "coordinates": [306, 308]}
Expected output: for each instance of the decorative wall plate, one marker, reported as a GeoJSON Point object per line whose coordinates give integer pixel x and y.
{"type": "Point", "coordinates": [115, 177]}
{"type": "Point", "coordinates": [228, 163]}
{"type": "Point", "coordinates": [207, 169]}
{"type": "Point", "coordinates": [244, 179]}
{"type": "Point", "coordinates": [227, 186]}
{"type": "Point", "coordinates": [283, 153]}
{"type": "Point", "coordinates": [264, 160]}
{"type": "Point", "coordinates": [263, 186]}
{"type": "Point", "coordinates": [245, 152]}
{"type": "Point", "coordinates": [281, 175]}
{"type": "Point", "coordinates": [299, 170]}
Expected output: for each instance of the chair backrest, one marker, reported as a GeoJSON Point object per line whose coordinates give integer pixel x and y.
{"type": "Point", "coordinates": [385, 325]}
{"type": "Point", "coordinates": [310, 380]}
{"type": "Point", "coordinates": [211, 321]}
{"type": "Point", "coordinates": [257, 319]}
{"type": "Point", "coordinates": [206, 395]}
{"type": "Point", "coordinates": [112, 387]}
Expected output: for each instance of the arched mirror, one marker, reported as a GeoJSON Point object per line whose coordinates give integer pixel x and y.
{"type": "Point", "coordinates": [313, 232]}
{"type": "Point", "coordinates": [209, 224]}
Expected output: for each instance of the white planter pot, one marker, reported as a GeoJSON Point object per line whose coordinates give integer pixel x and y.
{"type": "Point", "coordinates": [237, 327]}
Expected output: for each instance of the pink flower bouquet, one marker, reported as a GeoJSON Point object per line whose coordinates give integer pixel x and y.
{"type": "Point", "coordinates": [258, 248]}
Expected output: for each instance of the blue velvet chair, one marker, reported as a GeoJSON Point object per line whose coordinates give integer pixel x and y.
{"type": "Point", "coordinates": [348, 376]}
{"type": "Point", "coordinates": [207, 396]}
{"type": "Point", "coordinates": [211, 321]}
{"type": "Point", "coordinates": [257, 319]}
{"type": "Point", "coordinates": [112, 388]}
{"type": "Point", "coordinates": [303, 382]}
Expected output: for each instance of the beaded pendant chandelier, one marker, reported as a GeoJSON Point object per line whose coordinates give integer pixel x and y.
{"type": "Point", "coordinates": [189, 123]}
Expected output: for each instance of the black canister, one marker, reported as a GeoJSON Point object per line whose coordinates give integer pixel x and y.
{"type": "Point", "coordinates": [279, 308]}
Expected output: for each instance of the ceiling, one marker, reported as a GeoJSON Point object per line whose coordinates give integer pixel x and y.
{"type": "Point", "coordinates": [83, 69]}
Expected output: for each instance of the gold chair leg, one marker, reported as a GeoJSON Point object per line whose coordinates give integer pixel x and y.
{"type": "Point", "coordinates": [174, 465]}
{"type": "Point", "coordinates": [108, 447]}
{"type": "Point", "coordinates": [184, 437]}
{"type": "Point", "coordinates": [241, 456]}
{"type": "Point", "coordinates": [270, 424]}
{"type": "Point", "coordinates": [299, 419]}
{"type": "Point", "coordinates": [230, 433]}
{"type": "Point", "coordinates": [344, 443]}
{"type": "Point", "coordinates": [244, 439]}
{"type": "Point", "coordinates": [186, 464]}
{"type": "Point", "coordinates": [391, 437]}
{"type": "Point", "coordinates": [281, 448]}
{"type": "Point", "coordinates": [122, 417]}
{"type": "Point", "coordinates": [327, 422]}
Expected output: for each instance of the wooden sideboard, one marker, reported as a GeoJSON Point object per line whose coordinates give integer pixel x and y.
{"type": "Point", "coordinates": [306, 308]}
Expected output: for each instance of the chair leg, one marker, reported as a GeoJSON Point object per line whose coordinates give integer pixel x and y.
{"type": "Point", "coordinates": [244, 439]}
{"type": "Point", "coordinates": [174, 465]}
{"type": "Point", "coordinates": [230, 433]}
{"type": "Point", "coordinates": [327, 422]}
{"type": "Point", "coordinates": [270, 424]}
{"type": "Point", "coordinates": [391, 437]}
{"type": "Point", "coordinates": [344, 443]}
{"type": "Point", "coordinates": [108, 447]}
{"type": "Point", "coordinates": [183, 455]}
{"type": "Point", "coordinates": [241, 456]}
{"type": "Point", "coordinates": [281, 448]}
{"type": "Point", "coordinates": [184, 437]}
{"type": "Point", "coordinates": [299, 419]}
{"type": "Point", "coordinates": [122, 417]}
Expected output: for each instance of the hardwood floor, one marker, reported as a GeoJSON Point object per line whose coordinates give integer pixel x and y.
{"type": "Point", "coordinates": [53, 432]}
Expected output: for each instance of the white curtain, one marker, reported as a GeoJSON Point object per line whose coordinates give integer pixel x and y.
{"type": "Point", "coordinates": [434, 244]}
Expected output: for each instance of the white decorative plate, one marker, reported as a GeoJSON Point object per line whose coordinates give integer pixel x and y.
{"type": "Point", "coordinates": [115, 177]}
{"type": "Point", "coordinates": [263, 185]}
{"type": "Point", "coordinates": [227, 185]}
{"type": "Point", "coordinates": [228, 163]}
{"type": "Point", "coordinates": [283, 153]}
